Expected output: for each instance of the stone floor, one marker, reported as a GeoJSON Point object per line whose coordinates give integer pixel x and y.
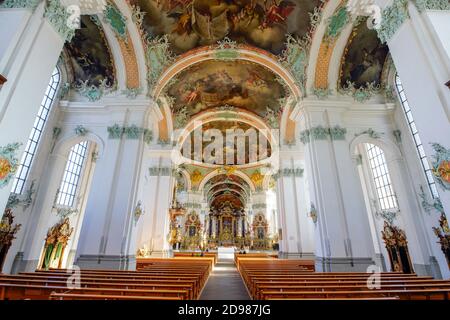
{"type": "Point", "coordinates": [225, 283]}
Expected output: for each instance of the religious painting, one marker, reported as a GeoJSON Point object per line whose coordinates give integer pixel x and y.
{"type": "Point", "coordinates": [90, 57]}
{"type": "Point", "coordinates": [364, 58]}
{"type": "Point", "coordinates": [213, 83]}
{"type": "Point", "coordinates": [247, 146]}
{"type": "Point", "coordinates": [195, 23]}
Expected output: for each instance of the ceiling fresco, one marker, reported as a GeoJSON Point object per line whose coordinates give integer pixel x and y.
{"type": "Point", "coordinates": [226, 198]}
{"type": "Point", "coordinates": [194, 23]}
{"type": "Point", "coordinates": [364, 58]}
{"type": "Point", "coordinates": [89, 55]}
{"type": "Point", "coordinates": [241, 156]}
{"type": "Point", "coordinates": [213, 83]}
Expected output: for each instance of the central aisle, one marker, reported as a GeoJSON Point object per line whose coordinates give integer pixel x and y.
{"type": "Point", "coordinates": [225, 283]}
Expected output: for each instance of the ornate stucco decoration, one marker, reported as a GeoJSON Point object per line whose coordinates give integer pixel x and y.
{"type": "Point", "coordinates": [366, 8]}
{"type": "Point", "coordinates": [159, 171]}
{"type": "Point", "coordinates": [158, 57]}
{"type": "Point", "coordinates": [272, 118]}
{"type": "Point", "coordinates": [58, 16]}
{"type": "Point", "coordinates": [25, 201]}
{"type": "Point", "coordinates": [441, 165]}
{"type": "Point", "coordinates": [392, 18]}
{"type": "Point", "coordinates": [8, 162]}
{"type": "Point", "coordinates": [92, 92]}
{"type": "Point", "coordinates": [138, 211]}
{"type": "Point", "coordinates": [148, 136]}
{"type": "Point", "coordinates": [423, 5]}
{"type": "Point", "coordinates": [64, 212]}
{"type": "Point", "coordinates": [296, 55]}
{"type": "Point", "coordinates": [323, 133]}
{"type": "Point", "coordinates": [115, 131]}
{"type": "Point", "coordinates": [397, 135]}
{"type": "Point", "coordinates": [289, 172]}
{"type": "Point", "coordinates": [313, 213]}
{"type": "Point", "coordinates": [117, 21]}
{"type": "Point", "coordinates": [361, 94]}
{"type": "Point", "coordinates": [336, 23]}
{"type": "Point", "coordinates": [371, 133]}
{"type": "Point", "coordinates": [181, 118]}
{"type": "Point", "coordinates": [322, 93]}
{"type": "Point", "coordinates": [387, 215]}
{"type": "Point", "coordinates": [427, 206]}
{"type": "Point", "coordinates": [132, 93]}
{"type": "Point", "coordinates": [133, 132]}
{"type": "Point", "coordinates": [226, 50]}
{"type": "Point", "coordinates": [23, 4]}
{"type": "Point", "coordinates": [81, 131]}
{"type": "Point", "coordinates": [337, 133]}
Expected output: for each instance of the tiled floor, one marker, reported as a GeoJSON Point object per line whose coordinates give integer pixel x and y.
{"type": "Point", "coordinates": [225, 283]}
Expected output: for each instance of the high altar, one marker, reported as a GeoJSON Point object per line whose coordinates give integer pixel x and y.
{"type": "Point", "coordinates": [227, 227]}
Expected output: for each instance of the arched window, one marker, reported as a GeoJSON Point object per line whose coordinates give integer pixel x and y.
{"type": "Point", "coordinates": [72, 174]}
{"type": "Point", "coordinates": [36, 133]}
{"type": "Point", "coordinates": [381, 177]}
{"type": "Point", "coordinates": [416, 137]}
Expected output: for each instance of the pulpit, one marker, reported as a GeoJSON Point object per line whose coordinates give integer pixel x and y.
{"type": "Point", "coordinates": [443, 234]}
{"type": "Point", "coordinates": [2, 79]}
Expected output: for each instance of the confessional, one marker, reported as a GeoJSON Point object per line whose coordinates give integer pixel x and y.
{"type": "Point", "coordinates": [397, 248]}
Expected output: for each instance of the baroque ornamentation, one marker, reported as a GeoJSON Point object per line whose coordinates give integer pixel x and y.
{"type": "Point", "coordinates": [115, 132]}
{"type": "Point", "coordinates": [397, 135]}
{"type": "Point", "coordinates": [80, 131]}
{"type": "Point", "coordinates": [441, 165]}
{"type": "Point", "coordinates": [148, 136]}
{"type": "Point", "coordinates": [159, 171]}
{"type": "Point", "coordinates": [371, 133]}
{"type": "Point", "coordinates": [336, 24]}
{"type": "Point", "coordinates": [272, 118]}
{"type": "Point", "coordinates": [158, 56]}
{"type": "Point", "coordinates": [226, 50]}
{"type": "Point", "coordinates": [322, 93]}
{"type": "Point", "coordinates": [366, 8]}
{"type": "Point", "coordinates": [92, 92]}
{"type": "Point", "coordinates": [24, 4]}
{"type": "Point", "coordinates": [8, 162]}
{"type": "Point", "coordinates": [313, 213]}
{"type": "Point", "coordinates": [392, 18]}
{"type": "Point", "coordinates": [337, 133]}
{"type": "Point", "coordinates": [58, 16]}
{"type": "Point", "coordinates": [132, 93]}
{"type": "Point", "coordinates": [117, 21]}
{"type": "Point", "coordinates": [423, 5]}
{"type": "Point", "coordinates": [321, 133]}
{"type": "Point", "coordinates": [138, 211]}
{"type": "Point", "coordinates": [427, 206]}
{"type": "Point", "coordinates": [387, 215]}
{"type": "Point", "coordinates": [133, 132]}
{"type": "Point", "coordinates": [363, 93]}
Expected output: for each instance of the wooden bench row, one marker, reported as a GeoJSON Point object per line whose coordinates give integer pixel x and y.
{"type": "Point", "coordinates": [158, 279]}
{"type": "Point", "coordinates": [267, 278]}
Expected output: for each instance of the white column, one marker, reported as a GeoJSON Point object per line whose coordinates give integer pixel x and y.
{"type": "Point", "coordinates": [343, 239]}
{"type": "Point", "coordinates": [108, 234]}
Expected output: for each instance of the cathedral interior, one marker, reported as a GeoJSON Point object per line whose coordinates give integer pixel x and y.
{"type": "Point", "coordinates": [307, 130]}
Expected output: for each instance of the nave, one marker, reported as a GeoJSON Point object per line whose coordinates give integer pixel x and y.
{"type": "Point", "coordinates": [260, 277]}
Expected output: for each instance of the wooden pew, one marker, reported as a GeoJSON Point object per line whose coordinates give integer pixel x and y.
{"type": "Point", "coordinates": [268, 278]}
{"type": "Point", "coordinates": [176, 278]}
